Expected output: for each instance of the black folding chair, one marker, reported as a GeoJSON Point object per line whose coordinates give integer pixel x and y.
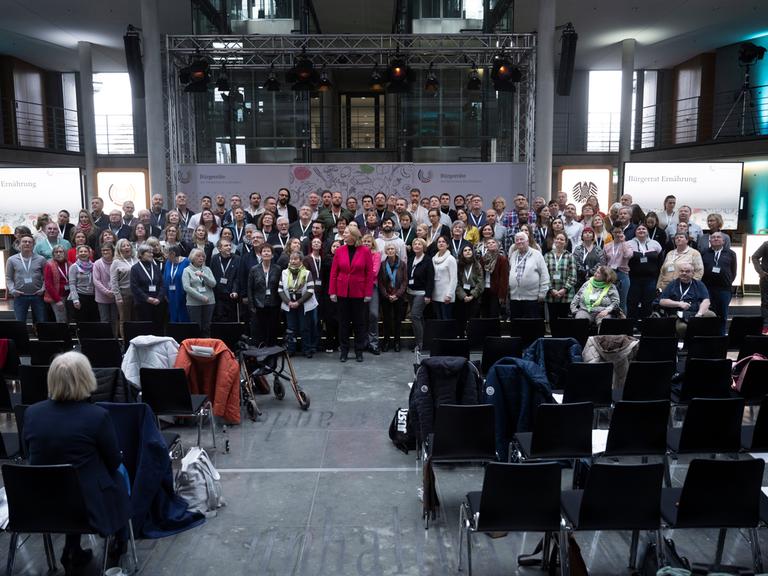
{"type": "Point", "coordinates": [754, 385]}
{"type": "Point", "coordinates": [18, 412]}
{"type": "Point", "coordinates": [705, 379]}
{"type": "Point", "coordinates": [617, 497]}
{"type": "Point", "coordinates": [8, 399]}
{"type": "Point", "coordinates": [702, 326]}
{"type": "Point", "coordinates": [743, 326]}
{"type": "Point", "coordinates": [450, 347]}
{"type": "Point", "coordinates": [103, 352]}
{"type": "Point", "coordinates": [132, 329]}
{"type": "Point", "coordinates": [589, 382]}
{"type": "Point", "coordinates": [577, 328]}
{"type": "Point", "coordinates": [167, 393]}
{"type": "Point", "coordinates": [711, 347]}
{"type": "Point", "coordinates": [638, 429]}
{"type": "Point", "coordinates": [496, 348]}
{"type": "Point", "coordinates": [229, 333]}
{"type": "Point", "coordinates": [94, 330]}
{"type": "Point", "coordinates": [718, 494]}
{"type": "Point", "coordinates": [180, 331]}
{"type": "Point", "coordinates": [16, 331]}
{"type": "Point", "coordinates": [662, 327]}
{"type": "Point", "coordinates": [527, 329]}
{"type": "Point", "coordinates": [49, 500]}
{"type": "Point", "coordinates": [478, 329]}
{"type": "Point", "coordinates": [656, 348]}
{"type": "Point", "coordinates": [615, 326]}
{"type": "Point", "coordinates": [54, 331]}
{"type": "Point", "coordinates": [514, 498]}
{"type": "Point", "coordinates": [753, 345]}
{"type": "Point", "coordinates": [648, 381]}
{"type": "Point", "coordinates": [560, 431]}
{"type": "Point", "coordinates": [438, 329]}
{"type": "Point", "coordinates": [754, 438]}
{"type": "Point", "coordinates": [10, 370]}
{"type": "Point", "coordinates": [462, 434]}
{"type": "Point", "coordinates": [34, 384]}
{"type": "Point", "coordinates": [42, 352]}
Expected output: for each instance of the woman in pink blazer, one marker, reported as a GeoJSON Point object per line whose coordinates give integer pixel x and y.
{"type": "Point", "coordinates": [351, 284]}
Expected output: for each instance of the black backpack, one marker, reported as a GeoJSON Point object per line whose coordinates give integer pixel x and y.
{"type": "Point", "coordinates": [401, 430]}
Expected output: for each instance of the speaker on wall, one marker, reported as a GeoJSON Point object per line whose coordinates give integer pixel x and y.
{"type": "Point", "coordinates": [132, 42]}
{"type": "Point", "coordinates": [567, 60]}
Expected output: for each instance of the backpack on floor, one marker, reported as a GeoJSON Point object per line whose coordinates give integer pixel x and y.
{"type": "Point", "coordinates": [401, 430]}
{"type": "Point", "coordinates": [199, 483]}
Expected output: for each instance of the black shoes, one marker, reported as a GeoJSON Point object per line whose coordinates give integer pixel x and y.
{"type": "Point", "coordinates": [373, 350]}
{"type": "Point", "coordinates": [396, 347]}
{"type": "Point", "coordinates": [74, 560]}
{"type": "Point", "coordinates": [343, 355]}
{"type": "Point", "coordinates": [359, 356]}
{"type": "Point", "coordinates": [384, 346]}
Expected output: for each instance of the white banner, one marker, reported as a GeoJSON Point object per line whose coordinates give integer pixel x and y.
{"type": "Point", "coordinates": [25, 193]}
{"type": "Point", "coordinates": [486, 179]}
{"type": "Point", "coordinates": [705, 187]}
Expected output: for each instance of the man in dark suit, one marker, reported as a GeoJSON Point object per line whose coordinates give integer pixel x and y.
{"type": "Point", "coordinates": [117, 227]}
{"type": "Point", "coordinates": [302, 228]}
{"type": "Point", "coordinates": [146, 218]}
{"type": "Point", "coordinates": [284, 206]}
{"type": "Point", "coordinates": [158, 213]}
{"type": "Point", "coordinates": [380, 205]}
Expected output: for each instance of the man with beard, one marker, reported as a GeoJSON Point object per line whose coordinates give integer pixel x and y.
{"type": "Point", "coordinates": [284, 206]}
{"type": "Point", "coordinates": [418, 212]}
{"type": "Point", "coordinates": [388, 236]}
{"type": "Point", "coordinates": [445, 206]}
{"type": "Point", "coordinates": [254, 209]}
{"type": "Point", "coordinates": [330, 217]}
{"type": "Point", "coordinates": [158, 213]}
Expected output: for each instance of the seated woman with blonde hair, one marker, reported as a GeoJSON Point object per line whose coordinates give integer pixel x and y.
{"type": "Point", "coordinates": [598, 297]}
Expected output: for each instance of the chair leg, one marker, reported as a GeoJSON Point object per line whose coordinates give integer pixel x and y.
{"type": "Point", "coordinates": [565, 567]}
{"type": "Point", "coordinates": [633, 549]}
{"type": "Point", "coordinates": [133, 547]}
{"type": "Point", "coordinates": [757, 559]}
{"type": "Point", "coordinates": [667, 472]}
{"type": "Point", "coordinates": [461, 534]}
{"type": "Point", "coordinates": [199, 427]}
{"type": "Point", "coordinates": [12, 553]}
{"type": "Point", "coordinates": [545, 550]}
{"type": "Point", "coordinates": [660, 549]}
{"type": "Point", "coordinates": [213, 427]}
{"type": "Point", "coordinates": [50, 556]}
{"type": "Point", "coordinates": [469, 553]}
{"type": "Point", "coordinates": [720, 546]}
{"type": "Point", "coordinates": [107, 541]}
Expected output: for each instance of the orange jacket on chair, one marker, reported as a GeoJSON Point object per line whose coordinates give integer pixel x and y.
{"type": "Point", "coordinates": [217, 376]}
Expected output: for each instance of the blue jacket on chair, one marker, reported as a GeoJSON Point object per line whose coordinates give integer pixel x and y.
{"type": "Point", "coordinates": [81, 434]}
{"type": "Point", "coordinates": [157, 510]}
{"type": "Point", "coordinates": [554, 356]}
{"type": "Point", "coordinates": [515, 387]}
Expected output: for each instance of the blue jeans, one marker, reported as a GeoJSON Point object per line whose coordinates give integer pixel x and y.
{"type": "Point", "coordinates": [298, 322]}
{"type": "Point", "coordinates": [22, 304]}
{"type": "Point", "coordinates": [720, 299]}
{"type": "Point", "coordinates": [622, 285]}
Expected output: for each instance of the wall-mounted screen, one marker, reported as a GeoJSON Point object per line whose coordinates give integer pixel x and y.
{"type": "Point", "coordinates": [705, 187]}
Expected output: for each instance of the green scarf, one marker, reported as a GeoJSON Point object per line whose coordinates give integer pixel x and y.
{"type": "Point", "coordinates": [595, 286]}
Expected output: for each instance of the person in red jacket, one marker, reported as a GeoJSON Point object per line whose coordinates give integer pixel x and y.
{"type": "Point", "coordinates": [351, 284]}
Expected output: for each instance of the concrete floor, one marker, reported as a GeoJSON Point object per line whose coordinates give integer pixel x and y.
{"type": "Point", "coordinates": [324, 492]}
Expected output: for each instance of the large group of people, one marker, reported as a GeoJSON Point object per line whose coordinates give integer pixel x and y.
{"type": "Point", "coordinates": [333, 267]}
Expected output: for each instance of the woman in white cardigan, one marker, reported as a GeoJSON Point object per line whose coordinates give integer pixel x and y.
{"type": "Point", "coordinates": [528, 280]}
{"type": "Point", "coordinates": [444, 292]}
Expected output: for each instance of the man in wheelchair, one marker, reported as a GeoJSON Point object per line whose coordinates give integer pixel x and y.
{"type": "Point", "coordinates": [684, 297]}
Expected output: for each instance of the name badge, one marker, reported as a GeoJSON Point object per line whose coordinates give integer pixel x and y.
{"type": "Point", "coordinates": [671, 268]}
{"type": "Point", "coordinates": [716, 270]}
{"type": "Point", "coordinates": [66, 288]}
{"type": "Point", "coordinates": [556, 276]}
{"type": "Point", "coordinates": [318, 283]}
{"type": "Point", "coordinates": [466, 286]}
{"type": "Point", "coordinates": [201, 289]}
{"type": "Point", "coordinates": [26, 280]}
{"type": "Point", "coordinates": [152, 288]}
{"type": "Point", "coordinates": [643, 260]}
{"type": "Point", "coordinates": [679, 313]}
{"type": "Point", "coordinates": [411, 282]}
{"type": "Point", "coordinates": [269, 292]}
{"type": "Point", "coordinates": [172, 288]}
{"type": "Point", "coordinates": [223, 281]}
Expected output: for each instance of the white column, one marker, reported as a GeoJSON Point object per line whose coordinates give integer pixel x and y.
{"type": "Point", "coordinates": [625, 126]}
{"type": "Point", "coordinates": [153, 99]}
{"type": "Point", "coordinates": [87, 117]}
{"type": "Point", "coordinates": [545, 96]}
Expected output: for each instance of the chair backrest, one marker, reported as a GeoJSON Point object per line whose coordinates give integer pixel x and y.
{"type": "Point", "coordinates": [102, 352]}
{"type": "Point", "coordinates": [45, 499]}
{"type": "Point", "coordinates": [712, 426]}
{"type": "Point", "coordinates": [662, 327]}
{"type": "Point", "coordinates": [721, 494]}
{"type": "Point", "coordinates": [638, 429]}
{"type": "Point", "coordinates": [165, 390]}
{"type": "Point", "coordinates": [562, 431]}
{"type": "Point", "coordinates": [753, 345]}
{"type": "Point", "coordinates": [94, 330]}
{"type": "Point", "coordinates": [42, 352]}
{"type": "Point", "coordinates": [496, 348]}
{"type": "Point", "coordinates": [479, 329]}
{"type": "Point", "coordinates": [12, 361]}
{"type": "Point", "coordinates": [742, 326]}
{"type": "Point", "coordinates": [17, 331]}
{"type": "Point", "coordinates": [622, 497]}
{"type": "Point", "coordinates": [702, 326]}
{"type": "Point", "coordinates": [434, 328]}
{"type": "Point", "coordinates": [706, 379]}
{"type": "Point", "coordinates": [519, 497]}
{"type": "Point", "coordinates": [228, 332]}
{"type": "Point", "coordinates": [180, 331]}
{"type": "Point", "coordinates": [576, 328]}
{"type": "Point", "coordinates": [754, 385]}
{"type": "Point", "coordinates": [450, 347]}
{"type": "Point", "coordinates": [589, 382]}
{"type": "Point", "coordinates": [615, 326]}
{"type": "Point", "coordinates": [18, 412]}
{"type": "Point", "coordinates": [708, 347]}
{"type": "Point", "coordinates": [34, 383]}
{"type": "Point", "coordinates": [132, 329]}
{"type": "Point", "coordinates": [760, 433]}
{"type": "Point", "coordinates": [464, 432]}
{"type": "Point", "coordinates": [656, 348]}
{"type": "Point", "coordinates": [6, 404]}
{"type": "Point", "coordinates": [527, 329]}
{"type": "Point", "coordinates": [54, 331]}
{"type": "Point", "coordinates": [648, 380]}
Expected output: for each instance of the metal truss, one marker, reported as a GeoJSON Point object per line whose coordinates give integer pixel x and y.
{"type": "Point", "coordinates": [353, 50]}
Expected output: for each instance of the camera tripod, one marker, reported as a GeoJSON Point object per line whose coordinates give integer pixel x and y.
{"type": "Point", "coordinates": [747, 100]}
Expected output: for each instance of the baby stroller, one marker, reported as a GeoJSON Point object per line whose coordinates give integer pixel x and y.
{"type": "Point", "coordinates": [256, 363]}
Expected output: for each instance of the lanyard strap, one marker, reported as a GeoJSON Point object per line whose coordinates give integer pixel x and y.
{"type": "Point", "coordinates": [717, 256]}
{"type": "Point", "coordinates": [225, 268]}
{"type": "Point", "coordinates": [150, 274]}
{"type": "Point", "coordinates": [682, 294]}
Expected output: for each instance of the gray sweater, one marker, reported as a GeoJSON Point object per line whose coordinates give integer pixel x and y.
{"type": "Point", "coordinates": [199, 289]}
{"type": "Point", "coordinates": [19, 281]}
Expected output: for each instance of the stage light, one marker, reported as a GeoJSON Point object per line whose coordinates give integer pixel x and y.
{"type": "Point", "coordinates": [504, 74]}
{"type": "Point", "coordinates": [474, 82]}
{"type": "Point", "coordinates": [272, 84]}
{"type": "Point", "coordinates": [196, 76]}
{"type": "Point", "coordinates": [222, 81]}
{"type": "Point", "coordinates": [431, 85]}
{"type": "Point", "coordinates": [376, 82]}
{"type": "Point", "coordinates": [750, 53]}
{"type": "Point", "coordinates": [325, 84]}
{"type": "Point", "coordinates": [398, 76]}
{"type": "Point", "coordinates": [303, 75]}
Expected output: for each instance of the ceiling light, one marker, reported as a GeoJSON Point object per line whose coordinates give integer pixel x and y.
{"type": "Point", "coordinates": [431, 85]}
{"type": "Point", "coordinates": [504, 74]}
{"type": "Point", "coordinates": [376, 82]}
{"type": "Point", "coordinates": [398, 76]}
{"type": "Point", "coordinates": [303, 74]}
{"type": "Point", "coordinates": [474, 82]}
{"type": "Point", "coordinates": [272, 84]}
{"type": "Point", "coordinates": [750, 53]}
